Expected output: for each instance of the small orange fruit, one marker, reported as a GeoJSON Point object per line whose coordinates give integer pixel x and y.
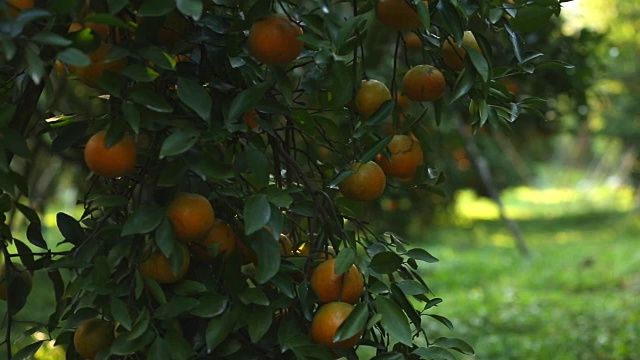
{"type": "Point", "coordinates": [96, 69]}
{"type": "Point", "coordinates": [116, 161]}
{"type": "Point", "coordinates": [92, 336]}
{"type": "Point", "coordinates": [158, 267]}
{"type": "Point", "coordinates": [398, 14]}
{"type": "Point", "coordinates": [18, 270]}
{"type": "Point", "coordinates": [326, 322]}
{"type": "Point", "coordinates": [330, 287]}
{"type": "Point", "coordinates": [221, 235]}
{"type": "Point", "coordinates": [273, 40]}
{"type": "Point", "coordinates": [454, 55]}
{"type": "Point", "coordinates": [286, 246]}
{"type": "Point", "coordinates": [406, 156]}
{"type": "Point", "coordinates": [250, 117]}
{"type": "Point", "coordinates": [192, 216]}
{"type": "Point", "coordinates": [423, 83]}
{"type": "Point", "coordinates": [16, 6]}
{"type": "Point", "coordinates": [367, 183]}
{"type": "Point", "coordinates": [412, 40]}
{"type": "Point", "coordinates": [305, 249]}
{"type": "Point", "coordinates": [370, 97]}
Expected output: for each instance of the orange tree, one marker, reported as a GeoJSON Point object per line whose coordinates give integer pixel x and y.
{"type": "Point", "coordinates": [230, 163]}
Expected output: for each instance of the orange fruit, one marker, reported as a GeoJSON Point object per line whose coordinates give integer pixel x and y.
{"type": "Point", "coordinates": [16, 6]}
{"type": "Point", "coordinates": [92, 336]}
{"type": "Point", "coordinates": [116, 161]}
{"type": "Point", "coordinates": [330, 287]}
{"type": "Point", "coordinates": [19, 270]}
{"type": "Point", "coordinates": [453, 55]}
{"type": "Point", "coordinates": [250, 117]}
{"type": "Point", "coordinates": [405, 157]}
{"type": "Point", "coordinates": [192, 216]}
{"type": "Point", "coordinates": [367, 183]}
{"type": "Point", "coordinates": [398, 14]}
{"type": "Point", "coordinates": [371, 95]}
{"type": "Point", "coordinates": [326, 322]}
{"type": "Point", "coordinates": [412, 40]}
{"type": "Point", "coordinates": [221, 235]}
{"type": "Point", "coordinates": [273, 40]}
{"type": "Point", "coordinates": [96, 69]}
{"type": "Point", "coordinates": [158, 267]}
{"type": "Point", "coordinates": [423, 83]}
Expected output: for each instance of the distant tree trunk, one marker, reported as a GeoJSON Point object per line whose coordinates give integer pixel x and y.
{"type": "Point", "coordinates": [482, 165]}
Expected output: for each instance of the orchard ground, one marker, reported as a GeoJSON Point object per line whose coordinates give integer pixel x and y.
{"type": "Point", "coordinates": [576, 297]}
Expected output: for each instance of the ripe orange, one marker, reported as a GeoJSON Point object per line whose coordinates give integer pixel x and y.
{"type": "Point", "coordinates": [405, 157]}
{"type": "Point", "coordinates": [158, 267]}
{"type": "Point", "coordinates": [453, 55]}
{"type": "Point", "coordinates": [402, 100]}
{"type": "Point", "coordinates": [367, 183]}
{"type": "Point", "coordinates": [92, 336]}
{"type": "Point", "coordinates": [412, 40]}
{"type": "Point", "coordinates": [116, 161]}
{"type": "Point", "coordinates": [250, 117]}
{"type": "Point", "coordinates": [16, 6]}
{"type": "Point", "coordinates": [221, 236]}
{"type": "Point", "coordinates": [371, 95]}
{"type": "Point", "coordinates": [326, 322]}
{"type": "Point", "coordinates": [398, 14]}
{"type": "Point", "coordinates": [423, 83]}
{"type": "Point", "coordinates": [22, 272]}
{"type": "Point", "coordinates": [273, 40]}
{"type": "Point", "coordinates": [330, 287]}
{"type": "Point", "coordinates": [192, 216]}
{"type": "Point", "coordinates": [96, 69]}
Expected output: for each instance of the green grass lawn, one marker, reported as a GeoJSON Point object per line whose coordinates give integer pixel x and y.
{"type": "Point", "coordinates": [576, 297]}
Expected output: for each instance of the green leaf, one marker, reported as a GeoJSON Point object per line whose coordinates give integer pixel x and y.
{"type": "Point", "coordinates": [434, 352]}
{"type": "Point", "coordinates": [464, 83]}
{"type": "Point", "coordinates": [15, 143]}
{"type": "Point", "coordinates": [179, 142]}
{"type": "Point", "coordinates": [108, 19]}
{"type": "Point", "coordinates": [346, 257]}
{"type": "Point", "coordinates": [156, 7]}
{"type": "Point", "coordinates": [394, 320]}
{"type": "Point", "coordinates": [218, 329]}
{"type": "Point", "coordinates": [69, 228]}
{"type": "Point", "coordinates": [478, 61]}
{"type": "Point", "coordinates": [253, 296]}
{"type": "Point", "coordinates": [257, 213]}
{"type": "Point", "coordinates": [50, 38]}
{"type": "Point", "coordinates": [422, 255]}
{"type": "Point", "coordinates": [443, 320]}
{"type": "Point", "coordinates": [5, 203]}
{"type": "Point", "coordinates": [73, 56]}
{"type": "Point", "coordinates": [258, 165]}
{"type": "Point", "coordinates": [376, 149]}
{"type": "Point", "coordinates": [260, 321]}
{"type": "Point", "coordinates": [532, 17]}
{"type": "Point", "coordinates": [120, 313]}
{"type": "Point", "coordinates": [166, 237]}
{"type": "Point", "coordinates": [34, 235]}
{"type": "Point", "coordinates": [454, 344]}
{"type": "Point", "coordinates": [191, 8]}
{"type": "Point", "coordinates": [412, 287]}
{"type": "Point", "coordinates": [178, 305]}
{"type": "Point", "coordinates": [354, 323]}
{"type": "Point", "coordinates": [145, 95]}
{"type": "Point", "coordinates": [195, 97]}
{"type": "Point", "coordinates": [16, 290]}
{"type": "Point", "coordinates": [385, 262]}
{"type": "Point", "coordinates": [268, 251]}
{"type": "Point", "coordinates": [383, 113]}
{"type": "Point", "coordinates": [423, 12]}
{"type": "Point", "coordinates": [143, 220]}
{"type": "Point", "coordinates": [35, 68]}
{"type": "Point", "coordinates": [28, 352]}
{"type": "Point", "coordinates": [140, 73]}
{"type": "Point", "coordinates": [159, 349]}
{"type": "Point", "coordinates": [102, 200]}
{"type": "Point", "coordinates": [247, 100]}
{"type": "Point", "coordinates": [189, 288]}
{"type": "Point", "coordinates": [389, 356]}
{"type": "Point", "coordinates": [211, 304]}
